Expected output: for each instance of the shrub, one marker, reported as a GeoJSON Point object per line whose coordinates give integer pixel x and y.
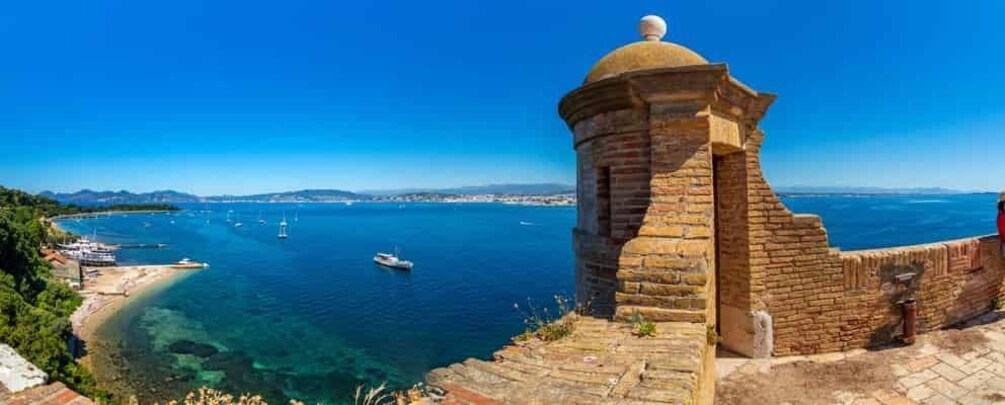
{"type": "Point", "coordinates": [209, 396]}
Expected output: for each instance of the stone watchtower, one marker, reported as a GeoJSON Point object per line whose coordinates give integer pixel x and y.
{"type": "Point", "coordinates": [667, 146]}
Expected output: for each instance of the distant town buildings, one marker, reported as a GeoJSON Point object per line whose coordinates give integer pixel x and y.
{"type": "Point", "coordinates": [536, 200]}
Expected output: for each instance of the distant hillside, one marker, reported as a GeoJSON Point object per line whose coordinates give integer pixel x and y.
{"type": "Point", "coordinates": [418, 197]}
{"type": "Point", "coordinates": [295, 196]}
{"type": "Point", "coordinates": [90, 197]}
{"type": "Point", "coordinates": [512, 189]}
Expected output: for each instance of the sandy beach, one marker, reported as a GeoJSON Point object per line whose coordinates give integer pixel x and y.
{"type": "Point", "coordinates": [105, 294]}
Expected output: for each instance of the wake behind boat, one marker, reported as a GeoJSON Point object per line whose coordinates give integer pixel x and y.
{"type": "Point", "coordinates": [392, 261]}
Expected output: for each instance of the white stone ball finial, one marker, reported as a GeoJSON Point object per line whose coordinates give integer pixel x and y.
{"type": "Point", "coordinates": [652, 27]}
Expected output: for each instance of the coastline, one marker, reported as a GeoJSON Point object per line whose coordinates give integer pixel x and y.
{"type": "Point", "coordinates": [108, 293]}
{"type": "Point", "coordinates": [97, 214]}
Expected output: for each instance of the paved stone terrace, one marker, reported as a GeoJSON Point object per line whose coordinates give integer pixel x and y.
{"type": "Point", "coordinates": [600, 363]}
{"type": "Point", "coordinates": [52, 394]}
{"type": "Point", "coordinates": [953, 366]}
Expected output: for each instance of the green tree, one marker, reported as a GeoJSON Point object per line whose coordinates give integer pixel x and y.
{"type": "Point", "coordinates": [34, 309]}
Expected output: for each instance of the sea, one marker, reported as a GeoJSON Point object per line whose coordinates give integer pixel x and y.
{"type": "Point", "coordinates": [311, 317]}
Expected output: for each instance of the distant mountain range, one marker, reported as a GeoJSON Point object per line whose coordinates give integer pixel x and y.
{"type": "Point", "coordinates": [91, 197]}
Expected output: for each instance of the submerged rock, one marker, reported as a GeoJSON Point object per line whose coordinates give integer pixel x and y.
{"type": "Point", "coordinates": [194, 348]}
{"type": "Point", "coordinates": [232, 363]}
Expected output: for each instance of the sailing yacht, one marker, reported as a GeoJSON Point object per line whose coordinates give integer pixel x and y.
{"type": "Point", "coordinates": [296, 216]}
{"type": "Point", "coordinates": [260, 220]}
{"type": "Point", "coordinates": [282, 228]}
{"type": "Point", "coordinates": [237, 222]}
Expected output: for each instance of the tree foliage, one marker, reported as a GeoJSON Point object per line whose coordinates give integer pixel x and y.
{"type": "Point", "coordinates": [34, 309]}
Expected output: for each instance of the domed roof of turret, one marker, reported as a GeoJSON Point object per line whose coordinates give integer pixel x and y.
{"type": "Point", "coordinates": [651, 53]}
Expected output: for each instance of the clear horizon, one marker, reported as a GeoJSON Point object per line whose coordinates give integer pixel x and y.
{"type": "Point", "coordinates": [232, 98]}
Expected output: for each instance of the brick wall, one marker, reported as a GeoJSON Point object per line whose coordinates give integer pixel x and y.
{"type": "Point", "coordinates": [665, 272]}
{"type": "Point", "coordinates": [824, 300]}
{"type": "Point", "coordinates": [668, 161]}
{"type": "Point", "coordinates": [613, 190]}
{"type": "Point", "coordinates": [951, 281]}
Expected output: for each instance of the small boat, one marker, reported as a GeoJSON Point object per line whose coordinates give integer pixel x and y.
{"type": "Point", "coordinates": [260, 220]}
{"type": "Point", "coordinates": [392, 261]}
{"type": "Point", "coordinates": [146, 225]}
{"type": "Point", "coordinates": [188, 264]}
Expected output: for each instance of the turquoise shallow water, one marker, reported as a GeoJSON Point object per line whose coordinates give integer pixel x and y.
{"type": "Point", "coordinates": [311, 317]}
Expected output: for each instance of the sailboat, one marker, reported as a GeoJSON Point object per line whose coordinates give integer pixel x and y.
{"type": "Point", "coordinates": [260, 220]}
{"type": "Point", "coordinates": [282, 228]}
{"type": "Point", "coordinates": [237, 222]}
{"type": "Point", "coordinates": [228, 215]}
{"type": "Point", "coordinates": [296, 216]}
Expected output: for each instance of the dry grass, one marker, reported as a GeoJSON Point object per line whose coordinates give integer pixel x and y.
{"type": "Point", "coordinates": [363, 396]}
{"type": "Point", "coordinates": [806, 382]}
{"type": "Point", "coordinates": [209, 396]}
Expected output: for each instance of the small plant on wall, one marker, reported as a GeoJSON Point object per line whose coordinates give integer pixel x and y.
{"type": "Point", "coordinates": [545, 325]}
{"type": "Point", "coordinates": [642, 327]}
{"type": "Point", "coordinates": [711, 335]}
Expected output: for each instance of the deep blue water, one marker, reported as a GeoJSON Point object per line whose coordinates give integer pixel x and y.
{"type": "Point", "coordinates": [311, 317]}
{"type": "Point", "coordinates": [866, 222]}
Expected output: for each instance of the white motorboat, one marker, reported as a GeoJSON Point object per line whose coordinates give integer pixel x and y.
{"type": "Point", "coordinates": [392, 261]}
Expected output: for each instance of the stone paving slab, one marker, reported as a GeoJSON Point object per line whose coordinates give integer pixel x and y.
{"type": "Point", "coordinates": [954, 366]}
{"type": "Point", "coordinates": [600, 363]}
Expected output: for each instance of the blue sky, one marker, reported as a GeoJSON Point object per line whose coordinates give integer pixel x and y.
{"type": "Point", "coordinates": [232, 96]}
